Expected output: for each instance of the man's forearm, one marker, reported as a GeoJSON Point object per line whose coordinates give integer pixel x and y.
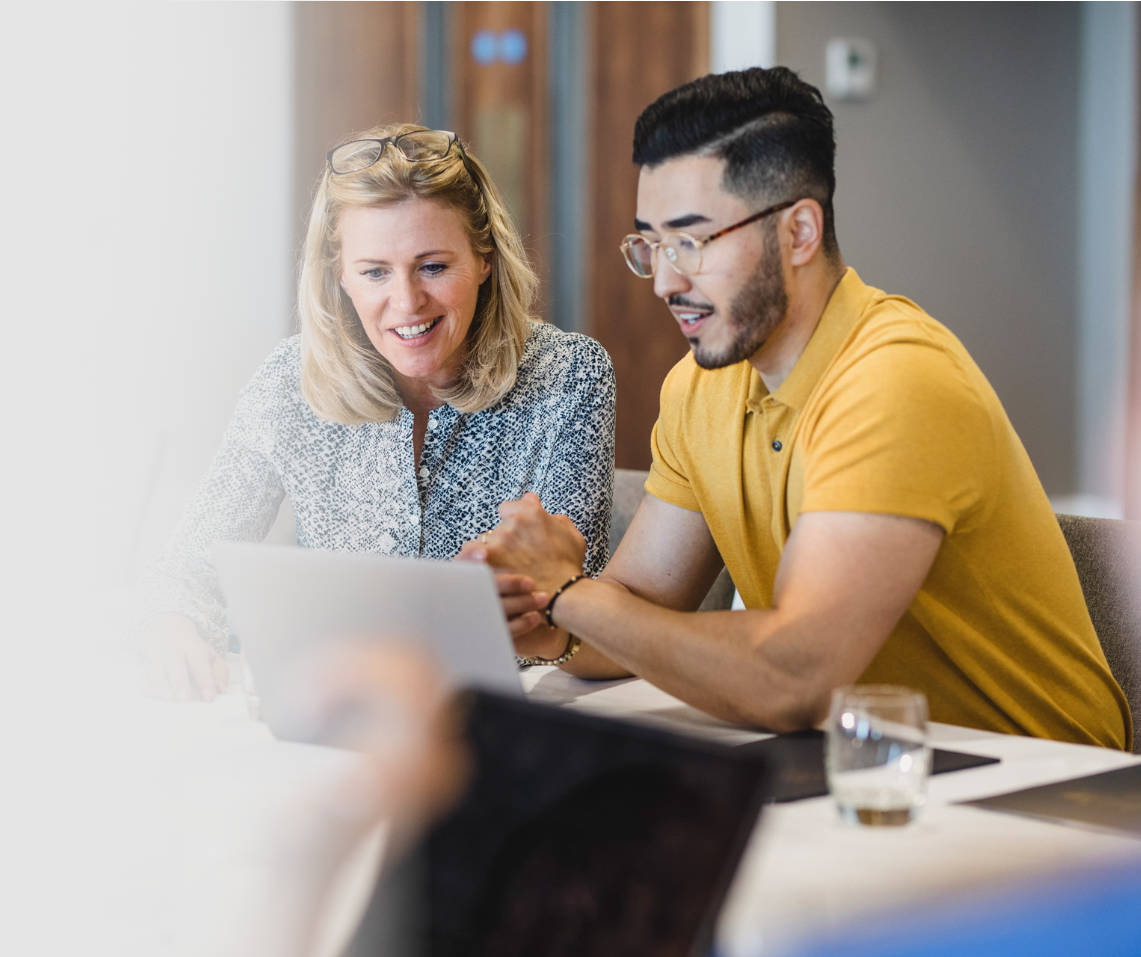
{"type": "Point", "coordinates": [739, 666]}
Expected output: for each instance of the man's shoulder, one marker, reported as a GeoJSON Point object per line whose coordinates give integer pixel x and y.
{"type": "Point", "coordinates": [894, 342]}
{"type": "Point", "coordinates": [890, 319]}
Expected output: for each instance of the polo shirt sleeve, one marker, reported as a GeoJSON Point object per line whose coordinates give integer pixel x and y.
{"type": "Point", "coordinates": [905, 428]}
{"type": "Point", "coordinates": [669, 470]}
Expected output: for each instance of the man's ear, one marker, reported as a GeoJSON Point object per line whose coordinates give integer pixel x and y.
{"type": "Point", "coordinates": [805, 224]}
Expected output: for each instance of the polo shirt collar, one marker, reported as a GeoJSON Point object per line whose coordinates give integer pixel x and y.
{"type": "Point", "coordinates": [840, 317]}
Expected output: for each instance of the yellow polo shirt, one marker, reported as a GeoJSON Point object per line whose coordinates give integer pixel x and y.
{"type": "Point", "coordinates": [885, 412]}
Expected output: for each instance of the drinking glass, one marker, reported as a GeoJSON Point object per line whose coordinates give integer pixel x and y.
{"type": "Point", "coordinates": [877, 756]}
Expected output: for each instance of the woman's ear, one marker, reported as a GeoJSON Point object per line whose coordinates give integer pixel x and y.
{"type": "Point", "coordinates": [486, 270]}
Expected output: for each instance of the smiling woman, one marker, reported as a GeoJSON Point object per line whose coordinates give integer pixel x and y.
{"type": "Point", "coordinates": [419, 396]}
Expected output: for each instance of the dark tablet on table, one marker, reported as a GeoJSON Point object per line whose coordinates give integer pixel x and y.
{"type": "Point", "coordinates": [577, 835]}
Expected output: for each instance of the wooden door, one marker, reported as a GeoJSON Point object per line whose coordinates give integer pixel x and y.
{"type": "Point", "coordinates": [638, 52]}
{"type": "Point", "coordinates": [357, 65]}
{"type": "Point", "coordinates": [498, 78]}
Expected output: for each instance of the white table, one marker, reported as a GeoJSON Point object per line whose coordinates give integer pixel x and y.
{"type": "Point", "coordinates": [806, 871]}
{"type": "Point", "coordinates": [157, 828]}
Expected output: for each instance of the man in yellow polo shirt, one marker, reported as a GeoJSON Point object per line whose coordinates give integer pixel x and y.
{"type": "Point", "coordinates": [833, 445]}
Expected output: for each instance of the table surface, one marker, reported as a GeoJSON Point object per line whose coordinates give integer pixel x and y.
{"type": "Point", "coordinates": [191, 813]}
{"type": "Point", "coordinates": [805, 871]}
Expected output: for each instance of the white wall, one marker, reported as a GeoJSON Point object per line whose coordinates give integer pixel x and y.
{"type": "Point", "coordinates": [742, 34]}
{"type": "Point", "coordinates": [958, 186]}
{"type": "Point", "coordinates": [194, 241]}
{"type": "Point", "coordinates": [1107, 144]}
{"type": "Point", "coordinates": [146, 269]}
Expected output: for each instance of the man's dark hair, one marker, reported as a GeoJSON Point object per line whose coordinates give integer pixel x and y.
{"type": "Point", "coordinates": [772, 129]}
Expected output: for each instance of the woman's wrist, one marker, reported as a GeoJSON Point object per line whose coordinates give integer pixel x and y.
{"type": "Point", "coordinates": [570, 649]}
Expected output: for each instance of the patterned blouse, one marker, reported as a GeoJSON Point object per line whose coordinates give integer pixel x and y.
{"type": "Point", "coordinates": [357, 488]}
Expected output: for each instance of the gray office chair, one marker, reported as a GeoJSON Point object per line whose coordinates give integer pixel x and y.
{"type": "Point", "coordinates": [627, 494]}
{"type": "Point", "coordinates": [1107, 553]}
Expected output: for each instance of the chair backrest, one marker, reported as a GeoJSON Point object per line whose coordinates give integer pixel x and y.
{"type": "Point", "coordinates": [627, 494]}
{"type": "Point", "coordinates": [1107, 554]}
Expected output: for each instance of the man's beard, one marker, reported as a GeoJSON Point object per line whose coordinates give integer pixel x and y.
{"type": "Point", "coordinates": [755, 311]}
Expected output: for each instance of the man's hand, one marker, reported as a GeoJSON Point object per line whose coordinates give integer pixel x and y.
{"type": "Point", "coordinates": [178, 664]}
{"type": "Point", "coordinates": [527, 540]}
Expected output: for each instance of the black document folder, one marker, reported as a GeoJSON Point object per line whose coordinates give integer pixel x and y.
{"type": "Point", "coordinates": [799, 762]}
{"type": "Point", "coordinates": [1109, 800]}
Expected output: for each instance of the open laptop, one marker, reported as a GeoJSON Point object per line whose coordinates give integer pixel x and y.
{"type": "Point", "coordinates": [286, 603]}
{"type": "Point", "coordinates": [578, 835]}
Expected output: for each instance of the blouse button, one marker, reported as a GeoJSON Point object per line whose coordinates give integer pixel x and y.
{"type": "Point", "coordinates": [776, 445]}
{"type": "Point", "coordinates": [424, 471]}
{"type": "Point", "coordinates": [431, 422]}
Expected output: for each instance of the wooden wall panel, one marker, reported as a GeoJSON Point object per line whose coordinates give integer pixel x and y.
{"type": "Point", "coordinates": [499, 96]}
{"type": "Point", "coordinates": [357, 64]}
{"type": "Point", "coordinates": [639, 51]}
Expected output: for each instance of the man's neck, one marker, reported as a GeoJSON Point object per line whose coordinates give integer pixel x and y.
{"type": "Point", "coordinates": [809, 290]}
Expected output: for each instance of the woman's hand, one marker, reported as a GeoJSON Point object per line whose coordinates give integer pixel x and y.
{"type": "Point", "coordinates": [522, 605]}
{"type": "Point", "coordinates": [177, 663]}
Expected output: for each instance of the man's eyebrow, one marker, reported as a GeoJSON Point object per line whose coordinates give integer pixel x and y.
{"type": "Point", "coordinates": [678, 223]}
{"type": "Point", "coordinates": [687, 220]}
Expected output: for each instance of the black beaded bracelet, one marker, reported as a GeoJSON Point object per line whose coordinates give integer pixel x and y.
{"type": "Point", "coordinates": [558, 591]}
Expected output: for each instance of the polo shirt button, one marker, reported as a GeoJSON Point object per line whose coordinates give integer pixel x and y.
{"type": "Point", "coordinates": [424, 473]}
{"type": "Point", "coordinates": [776, 445]}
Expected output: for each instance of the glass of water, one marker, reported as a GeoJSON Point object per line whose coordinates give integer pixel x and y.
{"type": "Point", "coordinates": [877, 756]}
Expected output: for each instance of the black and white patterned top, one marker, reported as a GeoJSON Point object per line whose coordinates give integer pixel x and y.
{"type": "Point", "coordinates": [357, 488]}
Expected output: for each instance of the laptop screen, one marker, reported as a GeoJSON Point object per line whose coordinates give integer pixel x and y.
{"type": "Point", "coordinates": [577, 835]}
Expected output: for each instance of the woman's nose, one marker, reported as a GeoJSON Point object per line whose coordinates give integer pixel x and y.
{"type": "Point", "coordinates": [407, 293]}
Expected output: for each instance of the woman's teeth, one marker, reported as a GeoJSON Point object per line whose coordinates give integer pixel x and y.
{"type": "Point", "coordinates": [411, 332]}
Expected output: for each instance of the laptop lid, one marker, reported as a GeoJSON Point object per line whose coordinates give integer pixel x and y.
{"type": "Point", "coordinates": [286, 603]}
{"type": "Point", "coordinates": [578, 834]}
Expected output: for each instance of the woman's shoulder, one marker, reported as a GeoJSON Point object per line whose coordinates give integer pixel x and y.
{"type": "Point", "coordinates": [550, 349]}
{"type": "Point", "coordinates": [560, 368]}
{"type": "Point", "coordinates": [276, 385]}
{"type": "Point", "coordinates": [281, 368]}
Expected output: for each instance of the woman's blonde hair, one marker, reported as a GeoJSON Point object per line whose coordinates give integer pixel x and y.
{"type": "Point", "coordinates": [343, 377]}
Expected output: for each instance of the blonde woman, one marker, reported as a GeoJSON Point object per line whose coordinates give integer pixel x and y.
{"type": "Point", "coordinates": [420, 394]}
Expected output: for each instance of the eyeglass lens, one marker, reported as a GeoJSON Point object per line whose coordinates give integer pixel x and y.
{"type": "Point", "coordinates": [683, 253]}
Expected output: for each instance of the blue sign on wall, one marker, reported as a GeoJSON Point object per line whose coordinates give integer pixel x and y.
{"type": "Point", "coordinates": [509, 46]}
